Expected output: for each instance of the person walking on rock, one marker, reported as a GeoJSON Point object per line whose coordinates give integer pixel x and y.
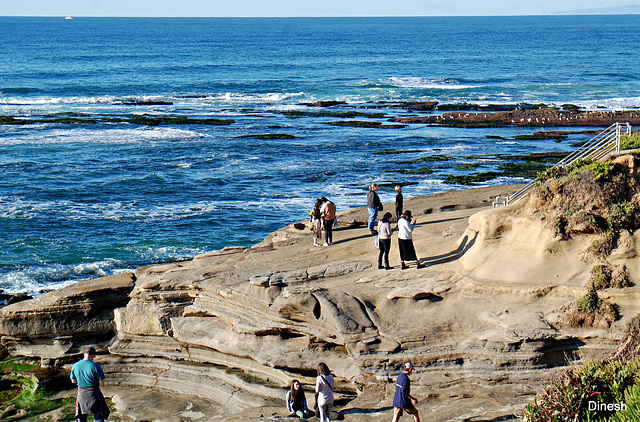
{"type": "Point", "coordinates": [324, 392]}
{"type": "Point", "coordinates": [373, 205]}
{"type": "Point", "coordinates": [89, 377]}
{"type": "Point", "coordinates": [296, 401]}
{"type": "Point", "coordinates": [403, 401]}
{"type": "Point", "coordinates": [406, 224]}
{"type": "Point", "coordinates": [328, 212]}
{"type": "Point", "coordinates": [384, 240]}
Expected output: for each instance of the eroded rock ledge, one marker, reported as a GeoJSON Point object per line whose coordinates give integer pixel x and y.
{"type": "Point", "coordinates": [237, 325]}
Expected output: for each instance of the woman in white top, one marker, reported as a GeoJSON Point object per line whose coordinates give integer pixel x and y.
{"type": "Point", "coordinates": [384, 240]}
{"type": "Point", "coordinates": [406, 224]}
{"type": "Point", "coordinates": [324, 391]}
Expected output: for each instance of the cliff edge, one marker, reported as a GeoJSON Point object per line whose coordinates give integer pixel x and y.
{"type": "Point", "coordinates": [482, 322]}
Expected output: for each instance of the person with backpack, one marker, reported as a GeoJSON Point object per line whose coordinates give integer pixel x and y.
{"type": "Point", "coordinates": [324, 392]}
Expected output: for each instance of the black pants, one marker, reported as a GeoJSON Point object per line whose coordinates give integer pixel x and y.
{"type": "Point", "coordinates": [385, 246]}
{"type": "Point", "coordinates": [328, 234]}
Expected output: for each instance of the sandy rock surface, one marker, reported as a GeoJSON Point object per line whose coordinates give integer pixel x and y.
{"type": "Point", "coordinates": [225, 333]}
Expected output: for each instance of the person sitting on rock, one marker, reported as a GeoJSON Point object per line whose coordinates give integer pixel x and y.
{"type": "Point", "coordinates": [296, 401]}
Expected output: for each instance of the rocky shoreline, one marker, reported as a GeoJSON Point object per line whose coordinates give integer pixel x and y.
{"type": "Point", "coordinates": [229, 330]}
{"type": "Point", "coordinates": [528, 117]}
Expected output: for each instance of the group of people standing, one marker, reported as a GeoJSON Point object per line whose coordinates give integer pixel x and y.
{"type": "Point", "coordinates": [406, 224]}
{"type": "Point", "coordinates": [403, 401]}
{"type": "Point", "coordinates": [323, 216]}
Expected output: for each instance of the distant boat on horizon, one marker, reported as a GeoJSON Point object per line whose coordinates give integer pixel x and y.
{"type": "Point", "coordinates": [68, 17]}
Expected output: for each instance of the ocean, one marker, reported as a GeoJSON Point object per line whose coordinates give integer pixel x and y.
{"type": "Point", "coordinates": [86, 190]}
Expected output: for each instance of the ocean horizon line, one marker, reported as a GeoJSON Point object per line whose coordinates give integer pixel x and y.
{"type": "Point", "coordinates": [553, 14]}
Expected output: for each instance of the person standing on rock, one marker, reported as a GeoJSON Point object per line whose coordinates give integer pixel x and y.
{"type": "Point", "coordinates": [373, 205]}
{"type": "Point", "coordinates": [324, 392]}
{"type": "Point", "coordinates": [328, 212]}
{"type": "Point", "coordinates": [406, 224]}
{"type": "Point", "coordinates": [316, 222]}
{"type": "Point", "coordinates": [399, 202]}
{"type": "Point", "coordinates": [296, 401]}
{"type": "Point", "coordinates": [384, 240]}
{"type": "Point", "coordinates": [403, 401]}
{"type": "Point", "coordinates": [89, 377]}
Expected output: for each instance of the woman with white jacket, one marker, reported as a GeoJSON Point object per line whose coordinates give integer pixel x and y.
{"type": "Point", "coordinates": [384, 240]}
{"type": "Point", "coordinates": [406, 224]}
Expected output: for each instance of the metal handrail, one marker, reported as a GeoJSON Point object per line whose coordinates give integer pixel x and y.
{"type": "Point", "coordinates": [598, 148]}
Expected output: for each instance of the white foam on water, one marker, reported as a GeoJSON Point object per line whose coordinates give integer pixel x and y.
{"type": "Point", "coordinates": [618, 103]}
{"type": "Point", "coordinates": [236, 97]}
{"type": "Point", "coordinates": [29, 280]}
{"type": "Point", "coordinates": [428, 83]}
{"type": "Point", "coordinates": [47, 134]}
{"type": "Point", "coordinates": [17, 208]}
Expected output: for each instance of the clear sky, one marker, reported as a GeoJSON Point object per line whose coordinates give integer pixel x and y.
{"type": "Point", "coordinates": [235, 8]}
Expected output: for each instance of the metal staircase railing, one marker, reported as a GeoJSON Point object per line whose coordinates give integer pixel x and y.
{"type": "Point", "coordinates": [597, 148]}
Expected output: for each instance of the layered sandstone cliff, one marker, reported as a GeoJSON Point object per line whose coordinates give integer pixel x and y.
{"type": "Point", "coordinates": [235, 326]}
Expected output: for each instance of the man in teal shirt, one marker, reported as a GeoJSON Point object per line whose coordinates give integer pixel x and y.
{"type": "Point", "coordinates": [89, 377]}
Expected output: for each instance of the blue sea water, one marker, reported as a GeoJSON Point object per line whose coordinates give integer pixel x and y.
{"type": "Point", "coordinates": [83, 200]}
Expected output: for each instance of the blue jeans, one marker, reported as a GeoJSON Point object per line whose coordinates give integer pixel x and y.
{"type": "Point", "coordinates": [373, 216]}
{"type": "Point", "coordinates": [325, 412]}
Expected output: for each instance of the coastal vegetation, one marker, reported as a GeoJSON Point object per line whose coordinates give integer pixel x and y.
{"type": "Point", "coordinates": [630, 142]}
{"type": "Point", "coordinates": [594, 198]}
{"type": "Point", "coordinates": [590, 197]}
{"type": "Point", "coordinates": [27, 391]}
{"type": "Point", "coordinates": [30, 392]}
{"type": "Point", "coordinates": [569, 397]}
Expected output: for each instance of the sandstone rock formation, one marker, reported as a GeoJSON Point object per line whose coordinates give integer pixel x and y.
{"type": "Point", "coordinates": [235, 326]}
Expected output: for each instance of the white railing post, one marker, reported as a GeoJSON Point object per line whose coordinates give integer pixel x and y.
{"type": "Point", "coordinates": [618, 137]}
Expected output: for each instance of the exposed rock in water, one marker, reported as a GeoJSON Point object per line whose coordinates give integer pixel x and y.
{"type": "Point", "coordinates": [543, 116]}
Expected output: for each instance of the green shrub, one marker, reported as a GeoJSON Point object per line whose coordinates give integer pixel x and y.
{"type": "Point", "coordinates": [579, 165]}
{"type": "Point", "coordinates": [621, 214]}
{"type": "Point", "coordinates": [601, 169]}
{"type": "Point", "coordinates": [620, 277]}
{"type": "Point", "coordinates": [567, 399]}
{"type": "Point", "coordinates": [632, 400]}
{"type": "Point", "coordinates": [600, 277]}
{"type": "Point", "coordinates": [630, 142]}
{"type": "Point", "coordinates": [633, 327]}
{"type": "Point", "coordinates": [591, 303]}
{"type": "Point", "coordinates": [559, 224]}
{"type": "Point", "coordinates": [603, 246]}
{"type": "Point", "coordinates": [549, 174]}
